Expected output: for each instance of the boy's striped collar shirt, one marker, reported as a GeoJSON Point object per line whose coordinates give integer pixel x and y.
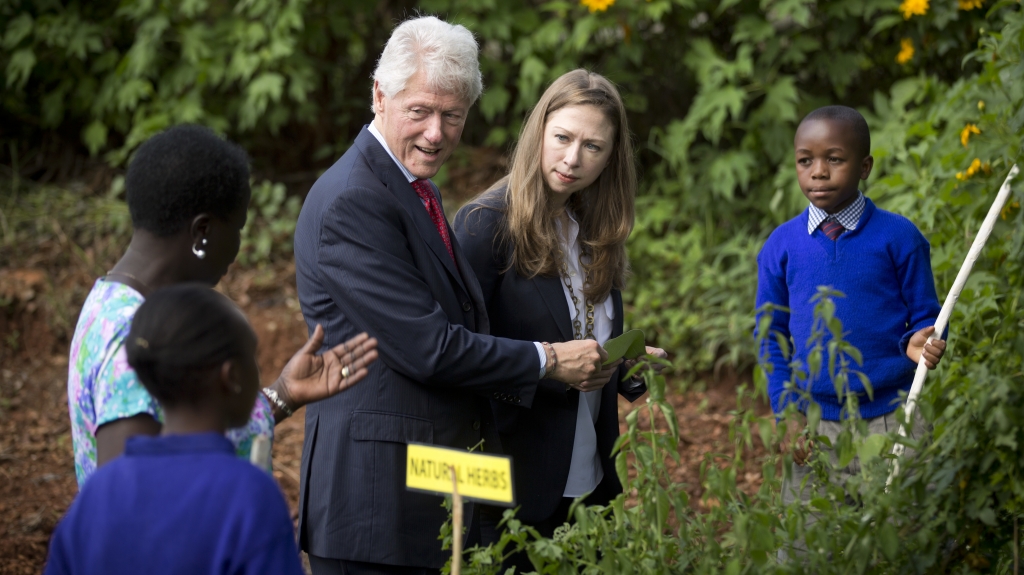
{"type": "Point", "coordinates": [848, 216]}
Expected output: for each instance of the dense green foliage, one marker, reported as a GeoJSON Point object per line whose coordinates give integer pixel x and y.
{"type": "Point", "coordinates": [714, 89]}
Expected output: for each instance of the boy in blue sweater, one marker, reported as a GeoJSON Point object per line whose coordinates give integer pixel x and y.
{"type": "Point", "coordinates": [878, 259]}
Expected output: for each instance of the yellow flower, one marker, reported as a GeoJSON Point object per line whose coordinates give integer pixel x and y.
{"type": "Point", "coordinates": [981, 105]}
{"type": "Point", "coordinates": [906, 51]}
{"type": "Point", "coordinates": [597, 5]}
{"type": "Point", "coordinates": [1009, 207]}
{"type": "Point", "coordinates": [913, 8]}
{"type": "Point", "coordinates": [974, 167]}
{"type": "Point", "coordinates": [970, 4]}
{"type": "Point", "coordinates": [965, 134]}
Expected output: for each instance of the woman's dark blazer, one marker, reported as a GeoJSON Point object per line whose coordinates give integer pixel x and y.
{"type": "Point", "coordinates": [539, 439]}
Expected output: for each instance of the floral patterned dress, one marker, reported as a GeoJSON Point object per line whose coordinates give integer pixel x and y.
{"type": "Point", "coordinates": [102, 387]}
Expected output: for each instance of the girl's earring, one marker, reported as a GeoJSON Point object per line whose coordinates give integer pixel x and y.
{"type": "Point", "coordinates": [199, 252]}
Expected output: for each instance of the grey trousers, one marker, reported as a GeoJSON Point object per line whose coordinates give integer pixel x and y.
{"type": "Point", "coordinates": [791, 486]}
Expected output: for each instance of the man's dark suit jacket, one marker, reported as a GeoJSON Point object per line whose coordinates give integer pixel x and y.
{"type": "Point", "coordinates": [368, 258]}
{"type": "Point", "coordinates": [539, 439]}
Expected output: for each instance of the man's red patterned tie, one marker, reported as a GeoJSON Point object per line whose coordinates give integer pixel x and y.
{"type": "Point", "coordinates": [832, 228]}
{"type": "Point", "coordinates": [426, 193]}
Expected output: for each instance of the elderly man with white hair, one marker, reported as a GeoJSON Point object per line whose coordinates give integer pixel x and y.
{"type": "Point", "coordinates": [374, 253]}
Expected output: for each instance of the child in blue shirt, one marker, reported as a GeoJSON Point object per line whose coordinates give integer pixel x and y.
{"type": "Point", "coordinates": [182, 502]}
{"type": "Point", "coordinates": [878, 259]}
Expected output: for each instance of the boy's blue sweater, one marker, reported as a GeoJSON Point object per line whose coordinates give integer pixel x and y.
{"type": "Point", "coordinates": [885, 271]}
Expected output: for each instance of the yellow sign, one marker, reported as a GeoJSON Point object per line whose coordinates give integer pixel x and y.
{"type": "Point", "coordinates": [479, 476]}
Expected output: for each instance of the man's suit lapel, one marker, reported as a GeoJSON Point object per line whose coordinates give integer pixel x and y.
{"type": "Point", "coordinates": [389, 174]}
{"type": "Point", "coordinates": [554, 298]}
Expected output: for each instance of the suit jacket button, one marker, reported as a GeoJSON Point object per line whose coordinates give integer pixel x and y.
{"type": "Point", "coordinates": [476, 424]}
{"type": "Point", "coordinates": [466, 306]}
{"type": "Point", "coordinates": [518, 400]}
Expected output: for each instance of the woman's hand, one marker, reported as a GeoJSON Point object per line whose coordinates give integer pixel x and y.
{"type": "Point", "coordinates": [598, 380]}
{"type": "Point", "coordinates": [656, 365]}
{"type": "Point", "coordinates": [309, 377]}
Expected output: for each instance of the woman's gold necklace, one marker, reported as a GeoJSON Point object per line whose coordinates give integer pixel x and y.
{"type": "Point", "coordinates": [577, 326]}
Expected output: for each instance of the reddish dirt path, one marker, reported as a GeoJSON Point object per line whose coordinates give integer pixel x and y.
{"type": "Point", "coordinates": [36, 470]}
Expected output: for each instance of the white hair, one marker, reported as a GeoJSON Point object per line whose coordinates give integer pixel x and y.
{"type": "Point", "coordinates": [448, 54]}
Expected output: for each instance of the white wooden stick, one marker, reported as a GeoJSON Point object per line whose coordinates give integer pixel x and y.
{"type": "Point", "coordinates": [947, 309]}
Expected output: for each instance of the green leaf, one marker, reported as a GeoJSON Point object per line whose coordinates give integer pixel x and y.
{"type": "Point", "coordinates": [670, 418]}
{"type": "Point", "coordinates": [987, 516]}
{"type": "Point", "coordinates": [493, 102]}
{"type": "Point", "coordinates": [20, 68]}
{"type": "Point", "coordinates": [780, 100]}
{"type": "Point", "coordinates": [94, 136]}
{"type": "Point", "coordinates": [264, 89]}
{"type": "Point", "coordinates": [629, 345]}
{"type": "Point", "coordinates": [750, 28]}
{"type": "Point", "coordinates": [813, 418]}
{"type": "Point", "coordinates": [17, 29]}
{"type": "Point", "coordinates": [871, 447]}
{"type": "Point", "coordinates": [725, 5]}
{"type": "Point", "coordinates": [729, 171]}
{"type": "Point", "coordinates": [888, 540]}
{"type": "Point", "coordinates": [531, 74]}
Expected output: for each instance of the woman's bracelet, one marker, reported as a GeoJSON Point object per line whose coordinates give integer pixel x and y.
{"type": "Point", "coordinates": [552, 358]}
{"type": "Point", "coordinates": [277, 401]}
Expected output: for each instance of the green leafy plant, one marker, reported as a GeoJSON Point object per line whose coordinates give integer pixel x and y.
{"type": "Point", "coordinates": [270, 224]}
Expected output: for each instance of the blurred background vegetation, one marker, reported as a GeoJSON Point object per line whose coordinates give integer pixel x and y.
{"type": "Point", "coordinates": [714, 90]}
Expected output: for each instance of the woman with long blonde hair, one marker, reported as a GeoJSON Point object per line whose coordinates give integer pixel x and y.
{"type": "Point", "coordinates": [547, 243]}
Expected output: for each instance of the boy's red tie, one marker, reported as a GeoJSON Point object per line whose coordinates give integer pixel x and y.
{"type": "Point", "coordinates": [832, 228]}
{"type": "Point", "coordinates": [426, 193]}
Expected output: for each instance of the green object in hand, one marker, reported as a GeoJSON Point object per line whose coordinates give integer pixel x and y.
{"type": "Point", "coordinates": [629, 345]}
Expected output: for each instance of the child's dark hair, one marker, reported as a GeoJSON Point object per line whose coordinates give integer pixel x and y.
{"type": "Point", "coordinates": [180, 330]}
{"type": "Point", "coordinates": [853, 118]}
{"type": "Point", "coordinates": [181, 173]}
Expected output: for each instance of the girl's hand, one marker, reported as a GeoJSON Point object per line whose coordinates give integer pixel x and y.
{"type": "Point", "coordinates": [309, 377]}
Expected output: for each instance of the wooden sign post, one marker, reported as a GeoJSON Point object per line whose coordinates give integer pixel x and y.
{"type": "Point", "coordinates": [456, 525]}
{"type": "Point", "coordinates": [463, 475]}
